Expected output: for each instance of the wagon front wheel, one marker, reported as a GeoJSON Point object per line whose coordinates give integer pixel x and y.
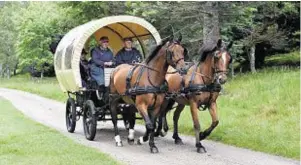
{"type": "Point", "coordinates": [70, 115]}
{"type": "Point", "coordinates": [89, 120]}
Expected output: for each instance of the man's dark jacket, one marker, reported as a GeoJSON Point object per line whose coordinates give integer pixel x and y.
{"type": "Point", "coordinates": [128, 56]}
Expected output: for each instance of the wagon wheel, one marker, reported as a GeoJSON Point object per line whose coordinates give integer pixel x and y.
{"type": "Point", "coordinates": [70, 115]}
{"type": "Point", "coordinates": [89, 120]}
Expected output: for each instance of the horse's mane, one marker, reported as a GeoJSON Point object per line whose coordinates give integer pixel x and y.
{"type": "Point", "coordinates": [155, 51]}
{"type": "Point", "coordinates": [205, 50]}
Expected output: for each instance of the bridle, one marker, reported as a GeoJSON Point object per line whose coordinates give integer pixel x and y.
{"type": "Point", "coordinates": [170, 55]}
{"type": "Point", "coordinates": [169, 59]}
{"type": "Point", "coordinates": [218, 72]}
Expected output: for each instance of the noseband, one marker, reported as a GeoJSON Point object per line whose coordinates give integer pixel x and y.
{"type": "Point", "coordinates": [218, 72]}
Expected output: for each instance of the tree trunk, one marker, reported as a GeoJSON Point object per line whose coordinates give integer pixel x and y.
{"type": "Point", "coordinates": [15, 69]}
{"type": "Point", "coordinates": [1, 71]}
{"type": "Point", "coordinates": [252, 59]}
{"type": "Point", "coordinates": [211, 30]}
{"type": "Point", "coordinates": [232, 70]}
{"type": "Point", "coordinates": [7, 72]}
{"type": "Point", "coordinates": [42, 74]}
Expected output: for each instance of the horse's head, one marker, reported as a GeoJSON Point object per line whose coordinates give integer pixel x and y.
{"type": "Point", "coordinates": [221, 61]}
{"type": "Point", "coordinates": [175, 53]}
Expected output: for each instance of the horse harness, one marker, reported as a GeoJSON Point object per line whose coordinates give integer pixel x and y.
{"type": "Point", "coordinates": [196, 89]}
{"type": "Point", "coordinates": [139, 90]}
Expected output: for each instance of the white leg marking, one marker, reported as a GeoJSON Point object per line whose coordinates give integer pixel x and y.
{"type": "Point", "coordinates": [141, 140]}
{"type": "Point", "coordinates": [117, 139]}
{"type": "Point", "coordinates": [131, 134]}
{"type": "Point", "coordinates": [164, 133]}
{"type": "Point", "coordinates": [98, 97]}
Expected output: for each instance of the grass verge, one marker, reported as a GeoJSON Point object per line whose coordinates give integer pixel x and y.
{"type": "Point", "coordinates": [23, 141]}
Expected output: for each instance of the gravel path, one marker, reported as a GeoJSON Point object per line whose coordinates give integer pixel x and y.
{"type": "Point", "coordinates": [52, 114]}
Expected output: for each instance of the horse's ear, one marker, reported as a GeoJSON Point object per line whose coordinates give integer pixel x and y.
{"type": "Point", "coordinates": [219, 43]}
{"type": "Point", "coordinates": [180, 37]}
{"type": "Point", "coordinates": [186, 54]}
{"type": "Point", "coordinates": [167, 43]}
{"type": "Point", "coordinates": [230, 45]}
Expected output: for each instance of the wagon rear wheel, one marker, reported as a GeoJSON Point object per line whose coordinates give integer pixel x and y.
{"type": "Point", "coordinates": [89, 120]}
{"type": "Point", "coordinates": [70, 115]}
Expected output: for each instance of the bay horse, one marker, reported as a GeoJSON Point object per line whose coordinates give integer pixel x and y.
{"type": "Point", "coordinates": [199, 88]}
{"type": "Point", "coordinates": [143, 85]}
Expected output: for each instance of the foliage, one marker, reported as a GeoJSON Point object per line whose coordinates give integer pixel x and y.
{"type": "Point", "coordinates": [41, 21]}
{"type": "Point", "coordinates": [8, 33]}
{"type": "Point", "coordinates": [27, 31]}
{"type": "Point", "coordinates": [86, 11]}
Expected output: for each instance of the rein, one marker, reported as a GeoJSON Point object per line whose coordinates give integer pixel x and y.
{"type": "Point", "coordinates": [152, 69]}
{"type": "Point", "coordinates": [136, 90]}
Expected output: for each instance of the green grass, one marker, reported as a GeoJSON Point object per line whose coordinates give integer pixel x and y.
{"type": "Point", "coordinates": [258, 111]}
{"type": "Point", "coordinates": [283, 59]}
{"type": "Point", "coordinates": [23, 141]}
{"type": "Point", "coordinates": [46, 87]}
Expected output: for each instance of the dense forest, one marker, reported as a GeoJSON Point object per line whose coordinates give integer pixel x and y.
{"type": "Point", "coordinates": [258, 29]}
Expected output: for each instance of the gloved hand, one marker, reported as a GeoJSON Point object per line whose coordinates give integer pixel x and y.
{"type": "Point", "coordinates": [108, 63]}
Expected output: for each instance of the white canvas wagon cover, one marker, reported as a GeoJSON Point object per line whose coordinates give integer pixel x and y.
{"type": "Point", "coordinates": [68, 52]}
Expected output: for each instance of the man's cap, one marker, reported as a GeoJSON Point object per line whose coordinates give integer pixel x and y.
{"type": "Point", "coordinates": [128, 39]}
{"type": "Point", "coordinates": [103, 38]}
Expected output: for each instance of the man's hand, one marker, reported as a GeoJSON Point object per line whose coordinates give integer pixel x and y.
{"type": "Point", "coordinates": [108, 63]}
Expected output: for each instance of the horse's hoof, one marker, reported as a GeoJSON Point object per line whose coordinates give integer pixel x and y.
{"type": "Point", "coordinates": [179, 141]}
{"type": "Point", "coordinates": [156, 134]}
{"type": "Point", "coordinates": [154, 150]}
{"type": "Point", "coordinates": [119, 144]}
{"type": "Point", "coordinates": [201, 150]}
{"type": "Point", "coordinates": [140, 141]}
{"type": "Point", "coordinates": [162, 134]}
{"type": "Point", "coordinates": [166, 129]}
{"type": "Point", "coordinates": [131, 141]}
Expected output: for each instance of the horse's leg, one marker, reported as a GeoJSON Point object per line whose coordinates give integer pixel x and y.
{"type": "Point", "coordinates": [165, 124]}
{"type": "Point", "coordinates": [176, 116]}
{"type": "Point", "coordinates": [169, 107]}
{"type": "Point", "coordinates": [194, 113]}
{"type": "Point", "coordinates": [152, 145]}
{"type": "Point", "coordinates": [142, 108]}
{"type": "Point", "coordinates": [113, 108]}
{"type": "Point", "coordinates": [214, 123]}
{"type": "Point", "coordinates": [162, 119]}
{"type": "Point", "coordinates": [159, 128]}
{"type": "Point", "coordinates": [132, 120]}
{"type": "Point", "coordinates": [125, 116]}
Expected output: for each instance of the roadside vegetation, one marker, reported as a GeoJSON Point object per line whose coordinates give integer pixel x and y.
{"type": "Point", "coordinates": [24, 141]}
